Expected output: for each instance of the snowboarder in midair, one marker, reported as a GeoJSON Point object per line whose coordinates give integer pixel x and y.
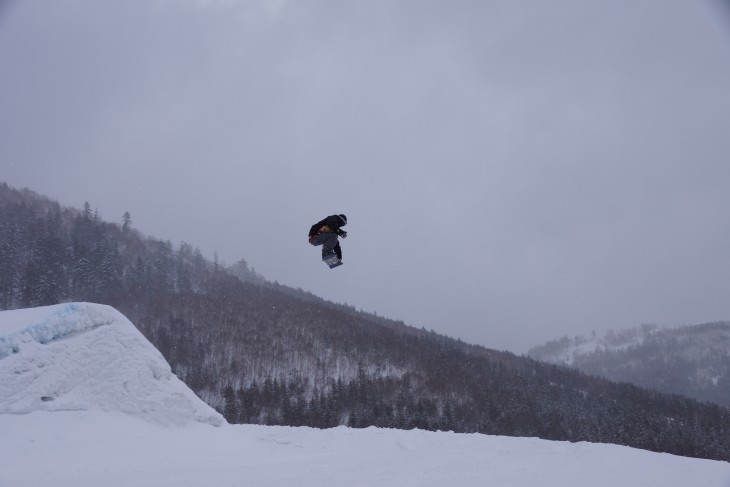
{"type": "Point", "coordinates": [325, 233]}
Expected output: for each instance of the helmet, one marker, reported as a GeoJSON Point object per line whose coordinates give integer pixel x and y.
{"type": "Point", "coordinates": [343, 218]}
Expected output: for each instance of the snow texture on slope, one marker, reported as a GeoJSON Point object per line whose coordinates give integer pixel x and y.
{"type": "Point", "coordinates": [90, 449]}
{"type": "Point", "coordinates": [83, 356]}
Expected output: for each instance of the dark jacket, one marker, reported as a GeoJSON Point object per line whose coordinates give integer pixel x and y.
{"type": "Point", "coordinates": [334, 222]}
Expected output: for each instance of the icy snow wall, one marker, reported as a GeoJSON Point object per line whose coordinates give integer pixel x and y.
{"type": "Point", "coordinates": [83, 356]}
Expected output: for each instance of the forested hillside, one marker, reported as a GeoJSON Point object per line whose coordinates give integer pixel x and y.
{"type": "Point", "coordinates": [690, 360]}
{"type": "Point", "coordinates": [266, 353]}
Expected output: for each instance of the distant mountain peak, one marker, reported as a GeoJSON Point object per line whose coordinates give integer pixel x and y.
{"type": "Point", "coordinates": [691, 360]}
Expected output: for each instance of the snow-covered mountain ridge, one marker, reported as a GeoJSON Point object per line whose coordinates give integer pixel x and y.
{"type": "Point", "coordinates": [567, 350]}
{"type": "Point", "coordinates": [82, 356]}
{"type": "Point", "coordinates": [688, 360]}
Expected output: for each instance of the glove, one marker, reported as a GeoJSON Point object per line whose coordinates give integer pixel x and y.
{"type": "Point", "coordinates": [342, 234]}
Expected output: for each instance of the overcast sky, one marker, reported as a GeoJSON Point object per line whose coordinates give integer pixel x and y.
{"type": "Point", "coordinates": [512, 171]}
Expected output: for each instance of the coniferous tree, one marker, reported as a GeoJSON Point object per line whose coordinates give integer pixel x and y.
{"type": "Point", "coordinates": [230, 410]}
{"type": "Point", "coordinates": [126, 221]}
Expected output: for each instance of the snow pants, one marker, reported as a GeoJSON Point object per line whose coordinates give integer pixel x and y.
{"type": "Point", "coordinates": [329, 242]}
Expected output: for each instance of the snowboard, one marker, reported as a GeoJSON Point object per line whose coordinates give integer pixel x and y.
{"type": "Point", "coordinates": [331, 260]}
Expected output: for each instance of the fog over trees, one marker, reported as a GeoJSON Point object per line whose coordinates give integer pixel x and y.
{"type": "Point", "coordinates": [692, 360]}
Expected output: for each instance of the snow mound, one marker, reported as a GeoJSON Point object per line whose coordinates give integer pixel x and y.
{"type": "Point", "coordinates": [84, 356]}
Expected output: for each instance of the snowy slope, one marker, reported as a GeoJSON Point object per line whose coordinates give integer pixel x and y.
{"type": "Point", "coordinates": [91, 449]}
{"type": "Point", "coordinates": [567, 350]}
{"type": "Point", "coordinates": [83, 356]}
{"type": "Point", "coordinates": [115, 416]}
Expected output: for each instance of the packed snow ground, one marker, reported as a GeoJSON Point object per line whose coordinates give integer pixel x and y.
{"type": "Point", "coordinates": [125, 422]}
{"type": "Point", "coordinates": [93, 449]}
